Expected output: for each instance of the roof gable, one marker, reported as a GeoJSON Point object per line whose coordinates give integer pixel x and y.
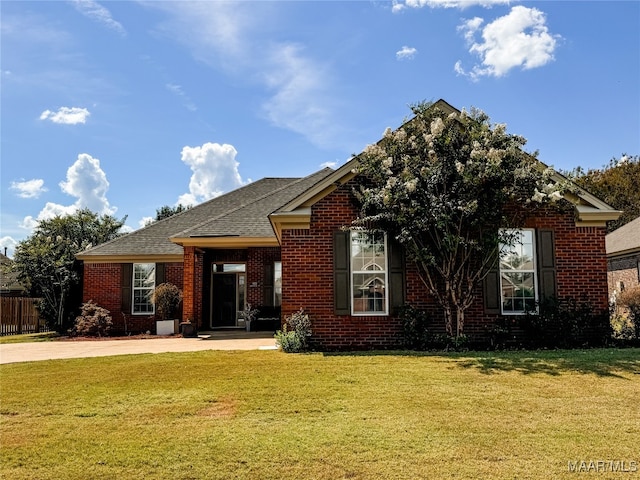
{"type": "Point", "coordinates": [590, 211]}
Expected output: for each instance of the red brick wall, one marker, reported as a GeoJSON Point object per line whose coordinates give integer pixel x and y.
{"type": "Point", "coordinates": [625, 270]}
{"type": "Point", "coordinates": [257, 260]}
{"type": "Point", "coordinates": [101, 283]}
{"type": "Point", "coordinates": [307, 263]}
{"type": "Point", "coordinates": [307, 281]}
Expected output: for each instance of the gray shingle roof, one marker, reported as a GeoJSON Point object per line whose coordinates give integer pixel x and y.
{"type": "Point", "coordinates": [242, 213]}
{"type": "Point", "coordinates": [624, 239]}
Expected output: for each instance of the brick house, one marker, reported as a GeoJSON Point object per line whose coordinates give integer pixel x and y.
{"type": "Point", "coordinates": [623, 257]}
{"type": "Point", "coordinates": [283, 244]}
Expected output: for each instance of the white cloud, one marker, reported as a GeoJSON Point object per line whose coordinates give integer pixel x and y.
{"type": "Point", "coordinates": [399, 5]}
{"type": "Point", "coordinates": [29, 188]}
{"type": "Point", "coordinates": [469, 29]}
{"type": "Point", "coordinates": [518, 39]}
{"type": "Point", "coordinates": [215, 171]}
{"type": "Point", "coordinates": [9, 243]}
{"type": "Point", "coordinates": [144, 221]}
{"type": "Point", "coordinates": [95, 11]}
{"type": "Point", "coordinates": [88, 183]}
{"type": "Point", "coordinates": [66, 115]}
{"type": "Point", "coordinates": [329, 164]}
{"type": "Point", "coordinates": [49, 211]}
{"type": "Point", "coordinates": [406, 53]}
{"type": "Point", "coordinates": [177, 89]}
{"type": "Point", "coordinates": [232, 35]}
{"type": "Point", "coordinates": [299, 102]}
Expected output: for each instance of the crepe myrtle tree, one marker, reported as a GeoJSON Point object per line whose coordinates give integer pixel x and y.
{"type": "Point", "coordinates": [45, 261]}
{"type": "Point", "coordinates": [442, 185]}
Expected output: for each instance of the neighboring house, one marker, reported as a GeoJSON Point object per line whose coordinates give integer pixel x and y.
{"type": "Point", "coordinates": [623, 257]}
{"type": "Point", "coordinates": [9, 284]}
{"type": "Point", "coordinates": [282, 244]}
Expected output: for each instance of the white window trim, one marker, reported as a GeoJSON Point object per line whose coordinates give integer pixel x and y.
{"type": "Point", "coordinates": [534, 271]}
{"type": "Point", "coordinates": [353, 272]}
{"type": "Point", "coordinates": [134, 289]}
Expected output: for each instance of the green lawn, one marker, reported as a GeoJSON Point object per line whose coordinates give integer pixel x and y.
{"type": "Point", "coordinates": [269, 415]}
{"type": "Point", "coordinates": [30, 337]}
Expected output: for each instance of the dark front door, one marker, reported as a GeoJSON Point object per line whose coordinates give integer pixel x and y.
{"type": "Point", "coordinates": [224, 300]}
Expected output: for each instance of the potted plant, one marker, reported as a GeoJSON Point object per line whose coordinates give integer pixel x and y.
{"type": "Point", "coordinates": [249, 316]}
{"type": "Point", "coordinates": [167, 298]}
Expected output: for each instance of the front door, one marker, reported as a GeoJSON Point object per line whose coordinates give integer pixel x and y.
{"type": "Point", "coordinates": [224, 300]}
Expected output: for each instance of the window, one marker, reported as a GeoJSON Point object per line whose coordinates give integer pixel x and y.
{"type": "Point", "coordinates": [518, 274]}
{"type": "Point", "coordinates": [144, 282]}
{"type": "Point", "coordinates": [277, 284]}
{"type": "Point", "coordinates": [369, 273]}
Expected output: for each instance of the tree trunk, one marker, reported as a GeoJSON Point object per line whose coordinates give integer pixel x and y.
{"type": "Point", "coordinates": [459, 321]}
{"type": "Point", "coordinates": [448, 319]}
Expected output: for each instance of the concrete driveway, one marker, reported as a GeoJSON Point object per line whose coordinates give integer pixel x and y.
{"type": "Point", "coordinates": [225, 340]}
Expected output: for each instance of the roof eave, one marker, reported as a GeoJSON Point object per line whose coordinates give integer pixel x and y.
{"type": "Point", "coordinates": [225, 241]}
{"type": "Point", "coordinates": [339, 177]}
{"type": "Point", "coordinates": [624, 253]}
{"type": "Point", "coordinates": [130, 258]}
{"type": "Point", "coordinates": [299, 218]}
{"type": "Point", "coordinates": [588, 216]}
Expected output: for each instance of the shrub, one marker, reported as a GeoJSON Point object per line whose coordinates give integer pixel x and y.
{"type": "Point", "coordinates": [295, 333]}
{"type": "Point", "coordinates": [623, 327]}
{"type": "Point", "coordinates": [415, 334]}
{"type": "Point", "coordinates": [167, 298]}
{"type": "Point", "coordinates": [565, 323]}
{"type": "Point", "coordinates": [93, 321]}
{"type": "Point", "coordinates": [630, 299]}
{"type": "Point", "coordinates": [500, 333]}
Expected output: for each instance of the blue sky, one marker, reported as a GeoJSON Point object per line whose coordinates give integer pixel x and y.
{"type": "Point", "coordinates": [125, 106]}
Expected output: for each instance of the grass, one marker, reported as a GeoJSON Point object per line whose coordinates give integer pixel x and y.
{"type": "Point", "coordinates": [30, 337]}
{"type": "Point", "coordinates": [269, 415]}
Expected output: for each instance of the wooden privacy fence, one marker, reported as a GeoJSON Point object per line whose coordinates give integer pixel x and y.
{"type": "Point", "coordinates": [19, 315]}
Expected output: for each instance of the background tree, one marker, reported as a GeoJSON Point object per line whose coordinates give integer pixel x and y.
{"type": "Point", "coordinates": [45, 262]}
{"type": "Point", "coordinates": [167, 211]}
{"type": "Point", "coordinates": [617, 183]}
{"type": "Point", "coordinates": [442, 184]}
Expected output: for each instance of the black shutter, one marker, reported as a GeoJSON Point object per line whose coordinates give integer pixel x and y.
{"type": "Point", "coordinates": [341, 283]}
{"type": "Point", "coordinates": [267, 286]}
{"type": "Point", "coordinates": [160, 273]}
{"type": "Point", "coordinates": [491, 292]}
{"type": "Point", "coordinates": [126, 278]}
{"type": "Point", "coordinates": [397, 289]}
{"type": "Point", "coordinates": [547, 264]}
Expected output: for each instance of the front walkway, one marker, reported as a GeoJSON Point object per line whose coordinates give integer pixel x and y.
{"type": "Point", "coordinates": [61, 349]}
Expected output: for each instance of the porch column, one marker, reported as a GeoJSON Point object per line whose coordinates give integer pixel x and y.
{"type": "Point", "coordinates": [192, 286]}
